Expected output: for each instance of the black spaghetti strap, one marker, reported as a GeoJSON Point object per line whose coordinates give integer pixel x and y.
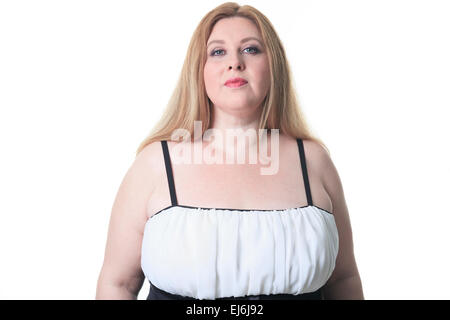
{"type": "Point", "coordinates": [301, 151]}
{"type": "Point", "coordinates": [173, 195]}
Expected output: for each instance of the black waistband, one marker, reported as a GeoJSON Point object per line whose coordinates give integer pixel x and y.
{"type": "Point", "coordinates": [159, 294]}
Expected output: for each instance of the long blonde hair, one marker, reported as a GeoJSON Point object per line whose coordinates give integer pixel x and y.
{"type": "Point", "coordinates": [189, 101]}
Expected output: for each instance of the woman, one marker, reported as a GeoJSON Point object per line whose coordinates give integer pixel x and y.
{"type": "Point", "coordinates": [204, 239]}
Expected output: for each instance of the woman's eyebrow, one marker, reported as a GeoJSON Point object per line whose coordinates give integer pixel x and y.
{"type": "Point", "coordinates": [242, 41]}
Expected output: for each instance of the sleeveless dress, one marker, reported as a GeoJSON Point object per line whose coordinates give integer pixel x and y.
{"type": "Point", "coordinates": [197, 253]}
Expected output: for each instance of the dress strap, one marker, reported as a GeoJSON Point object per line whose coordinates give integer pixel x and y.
{"type": "Point", "coordinates": [173, 195]}
{"type": "Point", "coordinates": [301, 151]}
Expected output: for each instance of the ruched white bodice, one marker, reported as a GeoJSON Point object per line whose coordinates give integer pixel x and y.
{"type": "Point", "coordinates": [213, 253]}
{"type": "Point", "coordinates": [208, 253]}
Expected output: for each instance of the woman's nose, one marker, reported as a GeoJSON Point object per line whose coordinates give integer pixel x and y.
{"type": "Point", "coordinates": [236, 63]}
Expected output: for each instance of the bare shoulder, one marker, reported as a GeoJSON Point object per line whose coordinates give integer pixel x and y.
{"type": "Point", "coordinates": [145, 171]}
{"type": "Point", "coordinates": [322, 166]}
{"type": "Point", "coordinates": [150, 151]}
{"type": "Point", "coordinates": [317, 157]}
{"type": "Point", "coordinates": [149, 160]}
{"type": "Point", "coordinates": [321, 163]}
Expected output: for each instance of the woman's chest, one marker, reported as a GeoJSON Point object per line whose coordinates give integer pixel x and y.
{"type": "Point", "coordinates": [237, 187]}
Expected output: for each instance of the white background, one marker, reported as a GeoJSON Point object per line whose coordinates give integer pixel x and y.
{"type": "Point", "coordinates": [82, 83]}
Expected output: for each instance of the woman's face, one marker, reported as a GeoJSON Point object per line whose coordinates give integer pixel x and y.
{"type": "Point", "coordinates": [250, 55]}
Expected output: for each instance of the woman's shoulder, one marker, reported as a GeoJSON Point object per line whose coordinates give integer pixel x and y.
{"type": "Point", "coordinates": [150, 159]}
{"type": "Point", "coordinates": [150, 149]}
{"type": "Point", "coordinates": [314, 151]}
{"type": "Point", "coordinates": [317, 157]}
{"type": "Point", "coordinates": [320, 161]}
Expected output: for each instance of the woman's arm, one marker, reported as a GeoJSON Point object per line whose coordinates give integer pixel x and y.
{"type": "Point", "coordinates": [344, 289]}
{"type": "Point", "coordinates": [345, 282]}
{"type": "Point", "coordinates": [121, 276]}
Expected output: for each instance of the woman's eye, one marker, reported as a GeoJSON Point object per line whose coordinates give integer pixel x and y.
{"type": "Point", "coordinates": [213, 53]}
{"type": "Point", "coordinates": [255, 50]}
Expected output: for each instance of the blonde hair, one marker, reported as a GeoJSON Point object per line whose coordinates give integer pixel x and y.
{"type": "Point", "coordinates": [189, 101]}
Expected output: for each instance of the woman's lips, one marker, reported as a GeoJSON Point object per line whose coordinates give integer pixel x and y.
{"type": "Point", "coordinates": [236, 84]}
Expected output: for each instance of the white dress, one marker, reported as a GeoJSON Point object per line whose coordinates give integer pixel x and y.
{"type": "Point", "coordinates": [212, 253]}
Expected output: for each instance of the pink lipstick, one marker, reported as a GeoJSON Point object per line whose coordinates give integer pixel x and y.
{"type": "Point", "coordinates": [235, 82]}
